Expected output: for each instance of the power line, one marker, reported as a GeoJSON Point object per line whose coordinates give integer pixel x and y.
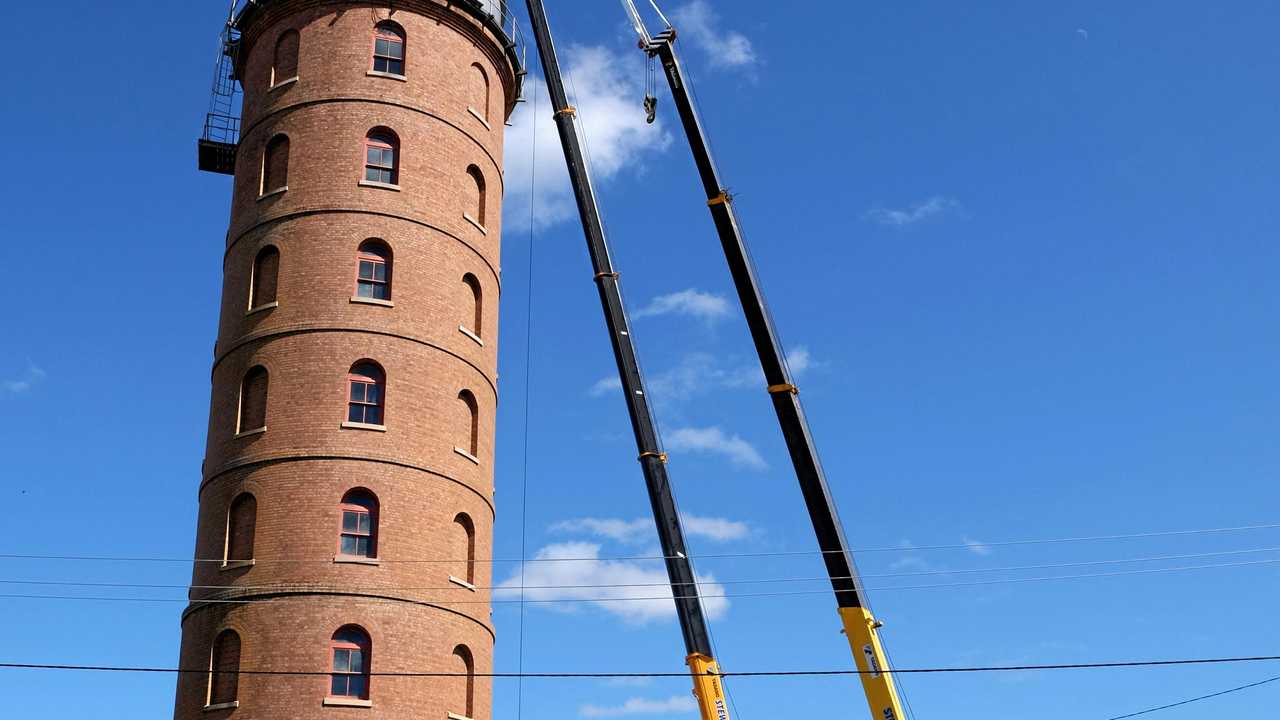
{"type": "Point", "coordinates": [299, 589]}
{"type": "Point", "coordinates": [713, 556]}
{"type": "Point", "coordinates": [598, 675]}
{"type": "Point", "coordinates": [762, 581]}
{"type": "Point", "coordinates": [1196, 699]}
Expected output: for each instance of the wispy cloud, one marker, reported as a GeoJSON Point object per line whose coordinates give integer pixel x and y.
{"type": "Point", "coordinates": [978, 547]}
{"type": "Point", "coordinates": [701, 25]}
{"type": "Point", "coordinates": [703, 372]}
{"type": "Point", "coordinates": [715, 441]}
{"type": "Point", "coordinates": [641, 706]}
{"type": "Point", "coordinates": [641, 530]}
{"type": "Point", "coordinates": [637, 592]}
{"type": "Point", "coordinates": [690, 303]}
{"type": "Point", "coordinates": [919, 212]}
{"type": "Point", "coordinates": [606, 93]}
{"type": "Point", "coordinates": [32, 377]}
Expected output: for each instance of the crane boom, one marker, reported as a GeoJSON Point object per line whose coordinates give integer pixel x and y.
{"type": "Point", "coordinates": [708, 687]}
{"type": "Point", "coordinates": [860, 626]}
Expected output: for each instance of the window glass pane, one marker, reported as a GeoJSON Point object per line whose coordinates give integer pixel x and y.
{"type": "Point", "coordinates": [373, 394]}
{"type": "Point", "coordinates": [355, 414]}
{"type": "Point", "coordinates": [379, 271]}
{"type": "Point", "coordinates": [338, 687]}
{"type": "Point", "coordinates": [380, 65]}
{"type": "Point", "coordinates": [365, 522]}
{"type": "Point", "coordinates": [367, 269]}
{"type": "Point", "coordinates": [357, 661]}
{"type": "Point", "coordinates": [396, 67]}
{"type": "Point", "coordinates": [384, 176]}
{"type": "Point", "coordinates": [359, 686]}
{"type": "Point", "coordinates": [341, 660]}
{"type": "Point", "coordinates": [381, 47]}
{"type": "Point", "coordinates": [382, 292]}
{"type": "Point", "coordinates": [350, 520]}
{"type": "Point", "coordinates": [349, 545]}
{"type": "Point", "coordinates": [361, 547]}
{"type": "Point", "coordinates": [375, 154]}
{"type": "Point", "coordinates": [396, 50]}
{"type": "Point", "coordinates": [358, 391]}
{"type": "Point", "coordinates": [366, 290]}
{"type": "Point", "coordinates": [373, 415]}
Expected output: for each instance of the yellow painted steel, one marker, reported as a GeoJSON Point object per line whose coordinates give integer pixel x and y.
{"type": "Point", "coordinates": [707, 687]}
{"type": "Point", "coordinates": [861, 629]}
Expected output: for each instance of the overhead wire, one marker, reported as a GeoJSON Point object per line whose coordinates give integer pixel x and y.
{"type": "Point", "coordinates": [286, 590]}
{"type": "Point", "coordinates": [1111, 665]}
{"type": "Point", "coordinates": [710, 556]}
{"type": "Point", "coordinates": [1189, 701]}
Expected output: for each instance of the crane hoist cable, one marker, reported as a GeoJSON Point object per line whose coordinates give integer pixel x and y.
{"type": "Point", "coordinates": [860, 625]}
{"type": "Point", "coordinates": [708, 684]}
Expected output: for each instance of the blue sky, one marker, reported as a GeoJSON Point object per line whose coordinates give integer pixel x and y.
{"type": "Point", "coordinates": [1022, 253]}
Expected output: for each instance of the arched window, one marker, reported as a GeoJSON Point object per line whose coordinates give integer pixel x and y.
{"type": "Point", "coordinates": [275, 165]}
{"type": "Point", "coordinates": [465, 543]}
{"type": "Point", "coordinates": [373, 270]}
{"type": "Point", "coordinates": [351, 650]}
{"type": "Point", "coordinates": [224, 669]}
{"type": "Point", "coordinates": [368, 394]}
{"type": "Point", "coordinates": [480, 92]}
{"type": "Point", "coordinates": [358, 535]}
{"type": "Point", "coordinates": [242, 525]}
{"type": "Point", "coordinates": [471, 422]}
{"type": "Point", "coordinates": [382, 157]}
{"type": "Point", "coordinates": [253, 400]}
{"type": "Point", "coordinates": [475, 194]}
{"type": "Point", "coordinates": [266, 271]}
{"type": "Point", "coordinates": [284, 66]}
{"type": "Point", "coordinates": [473, 314]}
{"type": "Point", "coordinates": [388, 48]}
{"type": "Point", "coordinates": [465, 666]}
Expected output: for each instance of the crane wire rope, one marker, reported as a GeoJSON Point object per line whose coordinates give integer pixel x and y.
{"type": "Point", "coordinates": [528, 384]}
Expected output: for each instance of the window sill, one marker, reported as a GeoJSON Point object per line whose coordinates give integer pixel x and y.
{"type": "Point", "coordinates": [379, 185]}
{"type": "Point", "coordinates": [456, 716]}
{"type": "Point", "coordinates": [462, 583]}
{"type": "Point", "coordinates": [262, 308]}
{"type": "Point", "coordinates": [222, 706]}
{"type": "Point", "coordinates": [363, 426]}
{"type": "Point", "coordinates": [250, 433]}
{"type": "Point", "coordinates": [478, 116]}
{"type": "Point", "coordinates": [347, 702]}
{"type": "Point", "coordinates": [237, 565]}
{"type": "Point", "coordinates": [352, 560]}
{"type": "Point", "coordinates": [471, 335]}
{"type": "Point", "coordinates": [475, 222]}
{"type": "Point", "coordinates": [283, 83]}
{"type": "Point", "coordinates": [467, 455]}
{"type": "Point", "coordinates": [273, 193]}
{"type": "Point", "coordinates": [372, 301]}
{"type": "Point", "coordinates": [389, 76]}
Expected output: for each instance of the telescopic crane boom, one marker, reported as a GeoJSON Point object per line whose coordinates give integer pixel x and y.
{"type": "Point", "coordinates": [708, 687]}
{"type": "Point", "coordinates": [860, 626]}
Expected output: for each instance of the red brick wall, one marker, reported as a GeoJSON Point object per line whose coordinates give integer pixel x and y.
{"type": "Point", "coordinates": [299, 469]}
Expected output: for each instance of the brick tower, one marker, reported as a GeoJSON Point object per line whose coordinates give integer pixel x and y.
{"type": "Point", "coordinates": [346, 498]}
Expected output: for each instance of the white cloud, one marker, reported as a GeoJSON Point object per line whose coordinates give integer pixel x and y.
{"type": "Point", "coordinates": [29, 380]}
{"type": "Point", "coordinates": [607, 95]}
{"type": "Point", "coordinates": [700, 24]}
{"type": "Point", "coordinates": [713, 440]}
{"type": "Point", "coordinates": [641, 530]}
{"type": "Point", "coordinates": [642, 706]}
{"type": "Point", "coordinates": [918, 212]}
{"type": "Point", "coordinates": [691, 302]}
{"type": "Point", "coordinates": [637, 592]}
{"type": "Point", "coordinates": [977, 547]}
{"type": "Point", "coordinates": [606, 386]}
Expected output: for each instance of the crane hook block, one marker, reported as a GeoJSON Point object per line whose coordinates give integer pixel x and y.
{"type": "Point", "coordinates": [650, 109]}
